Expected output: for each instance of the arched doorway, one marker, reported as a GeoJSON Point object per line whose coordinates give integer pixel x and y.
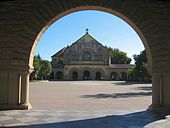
{"type": "Point", "coordinates": [59, 75]}
{"type": "Point", "coordinates": [74, 75]}
{"type": "Point", "coordinates": [123, 76]}
{"type": "Point", "coordinates": [113, 76]}
{"type": "Point", "coordinates": [86, 75]}
{"type": "Point", "coordinates": [17, 64]}
{"type": "Point", "coordinates": [98, 76]}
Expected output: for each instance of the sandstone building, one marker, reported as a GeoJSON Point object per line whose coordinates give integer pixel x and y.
{"type": "Point", "coordinates": [87, 59]}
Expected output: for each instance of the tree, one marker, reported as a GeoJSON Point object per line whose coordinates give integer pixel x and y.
{"type": "Point", "coordinates": [45, 69]}
{"type": "Point", "coordinates": [118, 57]}
{"type": "Point", "coordinates": [36, 63]}
{"type": "Point", "coordinates": [42, 69]}
{"type": "Point", "coordinates": [140, 72]}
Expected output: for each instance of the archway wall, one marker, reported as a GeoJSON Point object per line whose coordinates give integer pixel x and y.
{"type": "Point", "coordinates": [23, 22]}
{"type": "Point", "coordinates": [33, 18]}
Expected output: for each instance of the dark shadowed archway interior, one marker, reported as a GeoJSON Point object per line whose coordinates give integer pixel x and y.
{"type": "Point", "coordinates": [59, 75]}
{"type": "Point", "coordinates": [98, 76]}
{"type": "Point", "coordinates": [75, 75]}
{"type": "Point", "coordinates": [86, 75]}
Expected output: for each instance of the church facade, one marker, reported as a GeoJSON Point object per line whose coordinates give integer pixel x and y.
{"type": "Point", "coordinates": [87, 59]}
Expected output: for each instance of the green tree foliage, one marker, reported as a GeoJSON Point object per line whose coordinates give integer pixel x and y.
{"type": "Point", "coordinates": [45, 69]}
{"type": "Point", "coordinates": [118, 57]}
{"type": "Point", "coordinates": [140, 72]}
{"type": "Point", "coordinates": [42, 69]}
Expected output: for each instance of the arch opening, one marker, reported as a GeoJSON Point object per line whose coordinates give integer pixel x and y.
{"type": "Point", "coordinates": [123, 76]}
{"type": "Point", "coordinates": [87, 55]}
{"type": "Point", "coordinates": [98, 76]}
{"type": "Point", "coordinates": [75, 75]}
{"type": "Point", "coordinates": [86, 75]}
{"type": "Point", "coordinates": [59, 75]}
{"type": "Point", "coordinates": [99, 8]}
{"type": "Point", "coordinates": [114, 76]}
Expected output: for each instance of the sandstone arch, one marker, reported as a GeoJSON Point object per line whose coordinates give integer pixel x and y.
{"type": "Point", "coordinates": [23, 23]}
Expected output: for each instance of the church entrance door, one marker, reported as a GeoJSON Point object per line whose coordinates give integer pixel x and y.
{"type": "Point", "coordinates": [98, 76]}
{"type": "Point", "coordinates": [86, 75]}
{"type": "Point", "coordinates": [114, 76]}
{"type": "Point", "coordinates": [74, 75]}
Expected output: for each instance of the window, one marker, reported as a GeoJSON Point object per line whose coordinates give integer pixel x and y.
{"type": "Point", "coordinates": [87, 56]}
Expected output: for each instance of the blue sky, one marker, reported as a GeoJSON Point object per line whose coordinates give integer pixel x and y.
{"type": "Point", "coordinates": [104, 27]}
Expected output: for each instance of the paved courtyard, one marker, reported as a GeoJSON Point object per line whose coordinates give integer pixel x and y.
{"type": "Point", "coordinates": [95, 95]}
{"type": "Point", "coordinates": [86, 104]}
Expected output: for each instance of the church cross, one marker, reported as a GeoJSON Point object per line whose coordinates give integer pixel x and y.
{"type": "Point", "coordinates": [87, 30]}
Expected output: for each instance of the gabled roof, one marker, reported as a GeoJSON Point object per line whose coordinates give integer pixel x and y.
{"type": "Point", "coordinates": [87, 38]}
{"type": "Point", "coordinates": [60, 53]}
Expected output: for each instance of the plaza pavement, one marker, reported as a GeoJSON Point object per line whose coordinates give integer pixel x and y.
{"type": "Point", "coordinates": [86, 104]}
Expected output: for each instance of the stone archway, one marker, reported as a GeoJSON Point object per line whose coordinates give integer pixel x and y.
{"type": "Point", "coordinates": [74, 75]}
{"type": "Point", "coordinates": [98, 75]}
{"type": "Point", "coordinates": [59, 75]}
{"type": "Point", "coordinates": [113, 76]}
{"type": "Point", "coordinates": [123, 76]}
{"type": "Point", "coordinates": [86, 75]}
{"type": "Point", "coordinates": [20, 36]}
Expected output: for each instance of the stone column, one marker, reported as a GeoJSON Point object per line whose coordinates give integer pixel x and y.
{"type": "Point", "coordinates": [11, 87]}
{"type": "Point", "coordinates": [107, 74]}
{"type": "Point", "coordinates": [24, 100]}
{"type": "Point", "coordinates": [93, 73]}
{"type": "Point", "coordinates": [156, 91]}
{"type": "Point", "coordinates": [66, 73]}
{"type": "Point", "coordinates": [80, 74]}
{"type": "Point", "coordinates": [165, 91]}
{"type": "Point", "coordinates": [160, 91]}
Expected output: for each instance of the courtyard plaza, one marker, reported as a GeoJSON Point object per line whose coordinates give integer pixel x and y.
{"type": "Point", "coordinates": [87, 104]}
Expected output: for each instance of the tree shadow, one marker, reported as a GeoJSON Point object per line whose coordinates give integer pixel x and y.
{"type": "Point", "coordinates": [144, 88]}
{"type": "Point", "coordinates": [120, 83]}
{"type": "Point", "coordinates": [118, 95]}
{"type": "Point", "coordinates": [132, 120]}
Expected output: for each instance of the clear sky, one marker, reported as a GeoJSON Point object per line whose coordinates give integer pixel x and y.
{"type": "Point", "coordinates": [104, 27]}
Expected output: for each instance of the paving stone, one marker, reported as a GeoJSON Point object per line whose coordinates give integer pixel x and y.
{"type": "Point", "coordinates": [12, 125]}
{"type": "Point", "coordinates": [35, 117]}
{"type": "Point", "coordinates": [4, 118]}
{"type": "Point", "coordinates": [34, 114]}
{"type": "Point", "coordinates": [27, 119]}
{"type": "Point", "coordinates": [53, 119]}
{"type": "Point", "coordinates": [43, 116]}
{"type": "Point", "coordinates": [35, 122]}
{"type": "Point", "coordinates": [12, 113]}
{"type": "Point", "coordinates": [10, 122]}
{"type": "Point", "coordinates": [57, 114]}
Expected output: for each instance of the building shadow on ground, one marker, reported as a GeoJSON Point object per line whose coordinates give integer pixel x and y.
{"type": "Point", "coordinates": [118, 95]}
{"type": "Point", "coordinates": [132, 120]}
